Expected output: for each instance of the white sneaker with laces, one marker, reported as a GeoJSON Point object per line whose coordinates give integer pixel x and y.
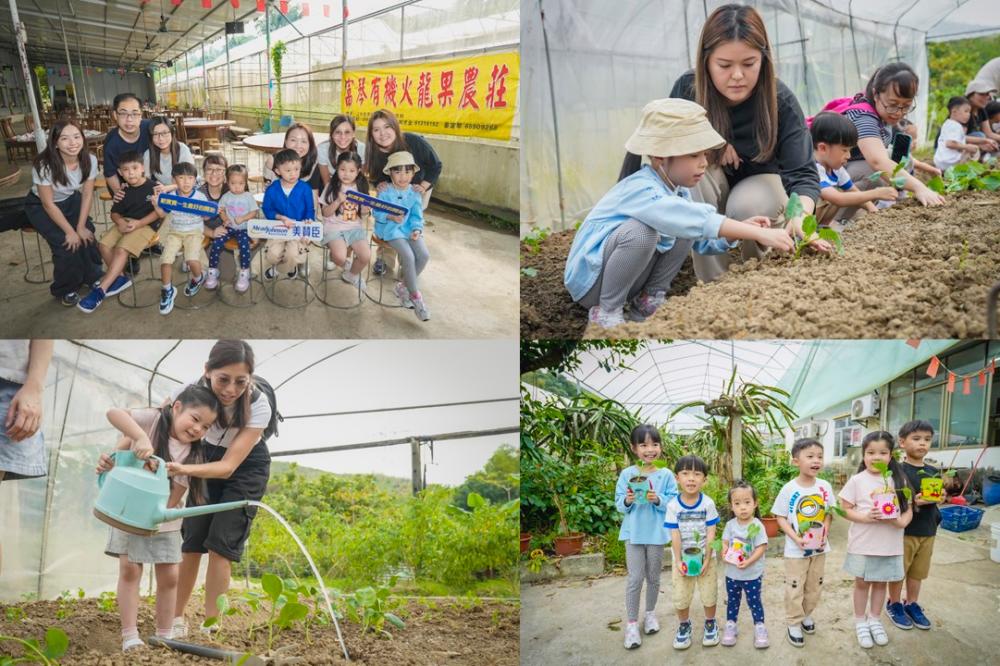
{"type": "Point", "coordinates": [420, 308]}
{"type": "Point", "coordinates": [132, 643]}
{"type": "Point", "coordinates": [632, 637]}
{"type": "Point", "coordinates": [212, 281]}
{"type": "Point", "coordinates": [650, 624]}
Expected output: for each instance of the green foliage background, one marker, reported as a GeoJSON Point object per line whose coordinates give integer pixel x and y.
{"type": "Point", "coordinates": [952, 65]}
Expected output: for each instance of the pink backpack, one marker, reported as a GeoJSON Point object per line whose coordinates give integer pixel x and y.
{"type": "Point", "coordinates": [843, 104]}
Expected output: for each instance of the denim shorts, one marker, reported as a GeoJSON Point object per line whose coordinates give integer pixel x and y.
{"type": "Point", "coordinates": [24, 459]}
{"type": "Point", "coordinates": [349, 236]}
{"type": "Point", "coordinates": [874, 568]}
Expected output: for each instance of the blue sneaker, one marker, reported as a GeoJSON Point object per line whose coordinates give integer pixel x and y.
{"type": "Point", "coordinates": [120, 284]}
{"type": "Point", "coordinates": [379, 267]}
{"type": "Point", "coordinates": [90, 302]}
{"type": "Point", "coordinates": [711, 636]}
{"type": "Point", "coordinates": [167, 295]}
{"type": "Point", "coordinates": [916, 614]}
{"type": "Point", "coordinates": [682, 641]}
{"type": "Point", "coordinates": [194, 284]}
{"type": "Point", "coordinates": [898, 615]}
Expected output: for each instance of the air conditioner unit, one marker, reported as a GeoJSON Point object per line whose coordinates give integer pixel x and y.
{"type": "Point", "coordinates": [865, 407]}
{"type": "Point", "coordinates": [810, 429]}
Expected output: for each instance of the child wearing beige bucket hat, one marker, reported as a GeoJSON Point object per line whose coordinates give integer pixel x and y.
{"type": "Point", "coordinates": [634, 241]}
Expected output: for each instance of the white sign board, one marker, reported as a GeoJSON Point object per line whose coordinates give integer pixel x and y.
{"type": "Point", "coordinates": [274, 229]}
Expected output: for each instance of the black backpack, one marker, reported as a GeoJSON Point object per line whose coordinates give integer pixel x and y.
{"type": "Point", "coordinates": [262, 386]}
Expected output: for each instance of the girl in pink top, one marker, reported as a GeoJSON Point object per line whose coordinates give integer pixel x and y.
{"type": "Point", "coordinates": [874, 543]}
{"type": "Point", "coordinates": [173, 433]}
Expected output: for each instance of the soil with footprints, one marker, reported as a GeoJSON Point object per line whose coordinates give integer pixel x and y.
{"type": "Point", "coordinates": [906, 272]}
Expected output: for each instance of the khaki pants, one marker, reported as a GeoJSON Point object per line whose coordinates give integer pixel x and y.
{"type": "Point", "coordinates": [762, 194]}
{"type": "Point", "coordinates": [803, 585]}
{"type": "Point", "coordinates": [707, 584]}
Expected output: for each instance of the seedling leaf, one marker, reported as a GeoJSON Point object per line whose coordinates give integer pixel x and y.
{"type": "Point", "coordinates": [936, 184]}
{"type": "Point", "coordinates": [794, 207]}
{"type": "Point", "coordinates": [292, 612]}
{"type": "Point", "coordinates": [875, 177]}
{"type": "Point", "coordinates": [56, 642]}
{"type": "Point", "coordinates": [833, 237]}
{"type": "Point", "coordinates": [809, 225]}
{"type": "Point", "coordinates": [272, 586]}
{"type": "Point", "coordinates": [840, 512]}
{"type": "Point", "coordinates": [395, 620]}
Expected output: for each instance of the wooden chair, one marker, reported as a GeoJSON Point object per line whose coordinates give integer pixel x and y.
{"type": "Point", "coordinates": [193, 143]}
{"type": "Point", "coordinates": [29, 122]}
{"type": "Point", "coordinates": [10, 178]}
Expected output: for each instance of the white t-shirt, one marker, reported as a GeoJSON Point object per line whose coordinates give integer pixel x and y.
{"type": "Point", "coordinates": [323, 153]}
{"type": "Point", "coordinates": [801, 505]}
{"type": "Point", "coordinates": [74, 178]}
{"type": "Point", "coordinates": [944, 156]}
{"type": "Point", "coordinates": [839, 178]}
{"type": "Point", "coordinates": [184, 223]}
{"type": "Point", "coordinates": [260, 416]}
{"type": "Point", "coordinates": [691, 520]}
{"type": "Point", "coordinates": [166, 163]}
{"type": "Point", "coordinates": [14, 360]}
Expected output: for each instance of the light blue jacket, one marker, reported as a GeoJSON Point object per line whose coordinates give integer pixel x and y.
{"type": "Point", "coordinates": [388, 230]}
{"type": "Point", "coordinates": [643, 196]}
{"type": "Point", "coordinates": [643, 523]}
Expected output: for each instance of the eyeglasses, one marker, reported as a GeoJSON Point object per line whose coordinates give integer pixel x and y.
{"type": "Point", "coordinates": [895, 108]}
{"type": "Point", "coordinates": [129, 114]}
{"type": "Point", "coordinates": [215, 170]}
{"type": "Point", "coordinates": [162, 133]}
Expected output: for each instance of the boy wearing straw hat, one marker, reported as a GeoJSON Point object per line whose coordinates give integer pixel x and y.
{"type": "Point", "coordinates": [634, 241]}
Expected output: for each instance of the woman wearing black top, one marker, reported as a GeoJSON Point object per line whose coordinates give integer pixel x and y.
{"type": "Point", "coordinates": [384, 138]}
{"type": "Point", "coordinates": [768, 154]}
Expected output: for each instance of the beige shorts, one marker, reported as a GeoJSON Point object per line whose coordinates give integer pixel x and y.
{"type": "Point", "coordinates": [174, 242]}
{"type": "Point", "coordinates": [707, 584]}
{"type": "Point", "coordinates": [134, 242]}
{"type": "Point", "coordinates": [917, 551]}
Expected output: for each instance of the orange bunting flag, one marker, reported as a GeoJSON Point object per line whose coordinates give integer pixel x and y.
{"type": "Point", "coordinates": [176, 3]}
{"type": "Point", "coordinates": [305, 9]}
{"type": "Point", "coordinates": [326, 11]}
{"type": "Point", "coordinates": [932, 367]}
{"type": "Point", "coordinates": [993, 366]}
{"type": "Point", "coordinates": [913, 342]}
{"type": "Point", "coordinates": [966, 386]}
{"type": "Point", "coordinates": [951, 382]}
{"type": "Point", "coordinates": [260, 5]}
{"type": "Point", "coordinates": [283, 6]}
{"type": "Point", "coordinates": [206, 4]}
{"type": "Point", "coordinates": [346, 13]}
{"type": "Point", "coordinates": [982, 378]}
{"type": "Point", "coordinates": [234, 3]}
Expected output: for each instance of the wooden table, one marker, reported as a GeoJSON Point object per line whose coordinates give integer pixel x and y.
{"type": "Point", "coordinates": [22, 143]}
{"type": "Point", "coordinates": [206, 129]}
{"type": "Point", "coordinates": [266, 143]}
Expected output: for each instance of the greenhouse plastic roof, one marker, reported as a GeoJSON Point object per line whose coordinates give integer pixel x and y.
{"type": "Point", "coordinates": [817, 373]}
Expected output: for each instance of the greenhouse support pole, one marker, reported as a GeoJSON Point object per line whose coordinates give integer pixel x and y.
{"type": "Point", "coordinates": [555, 121]}
{"type": "Point", "coordinates": [343, 48]}
{"type": "Point", "coordinates": [21, 38]}
{"type": "Point", "coordinates": [270, 83]}
{"type": "Point", "coordinates": [229, 77]}
{"type": "Point", "coordinates": [69, 63]}
{"type": "Point", "coordinates": [204, 73]}
{"type": "Point", "coordinates": [187, 81]}
{"type": "Point", "coordinates": [737, 426]}
{"type": "Point", "coordinates": [415, 464]}
{"type": "Point", "coordinates": [83, 77]}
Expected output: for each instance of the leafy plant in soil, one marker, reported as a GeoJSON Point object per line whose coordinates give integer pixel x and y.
{"type": "Point", "coordinates": [67, 602]}
{"type": "Point", "coordinates": [533, 242]}
{"type": "Point", "coordinates": [288, 612]}
{"type": "Point", "coordinates": [14, 614]}
{"type": "Point", "coordinates": [372, 607]}
{"type": "Point", "coordinates": [810, 228]}
{"type": "Point", "coordinates": [106, 602]}
{"type": "Point", "coordinates": [968, 176]}
{"type": "Point", "coordinates": [54, 646]}
{"type": "Point", "coordinates": [895, 180]}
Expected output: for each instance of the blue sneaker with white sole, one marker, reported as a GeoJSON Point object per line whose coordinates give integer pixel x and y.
{"type": "Point", "coordinates": [897, 615]}
{"type": "Point", "coordinates": [682, 640]}
{"type": "Point", "coordinates": [90, 302]}
{"type": "Point", "coordinates": [916, 614]}
{"type": "Point", "coordinates": [711, 636]}
{"type": "Point", "coordinates": [120, 284]}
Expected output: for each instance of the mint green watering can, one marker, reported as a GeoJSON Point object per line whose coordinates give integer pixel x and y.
{"type": "Point", "coordinates": [134, 500]}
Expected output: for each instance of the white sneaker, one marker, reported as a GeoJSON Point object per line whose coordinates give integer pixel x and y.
{"type": "Point", "coordinates": [632, 637]}
{"type": "Point", "coordinates": [403, 294]}
{"type": "Point", "coordinates": [864, 634]}
{"type": "Point", "coordinates": [650, 625]}
{"type": "Point", "coordinates": [420, 308]}
{"type": "Point", "coordinates": [212, 281]}
{"type": "Point", "coordinates": [132, 643]}
{"type": "Point", "coordinates": [179, 628]}
{"type": "Point", "coordinates": [330, 265]}
{"type": "Point", "coordinates": [605, 319]}
{"type": "Point", "coordinates": [878, 632]}
{"type": "Point", "coordinates": [351, 278]}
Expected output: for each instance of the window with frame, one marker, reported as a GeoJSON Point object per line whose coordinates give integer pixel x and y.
{"type": "Point", "coordinates": [845, 433]}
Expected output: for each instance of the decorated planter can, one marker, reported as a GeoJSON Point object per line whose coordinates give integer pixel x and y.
{"type": "Point", "coordinates": [813, 536]}
{"type": "Point", "coordinates": [692, 559]}
{"type": "Point", "coordinates": [886, 505]}
{"type": "Point", "coordinates": [739, 550]}
{"type": "Point", "coordinates": [932, 488]}
{"type": "Point", "coordinates": [639, 486]}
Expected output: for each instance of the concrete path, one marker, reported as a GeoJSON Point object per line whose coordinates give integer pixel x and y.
{"type": "Point", "coordinates": [579, 622]}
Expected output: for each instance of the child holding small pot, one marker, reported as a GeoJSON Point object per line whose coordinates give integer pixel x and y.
{"type": "Point", "coordinates": [691, 519]}
{"type": "Point", "coordinates": [642, 493]}
{"type": "Point", "coordinates": [918, 538]}
{"type": "Point", "coordinates": [875, 540]}
{"type": "Point", "coordinates": [743, 544]}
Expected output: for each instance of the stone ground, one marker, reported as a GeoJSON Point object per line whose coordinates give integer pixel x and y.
{"type": "Point", "coordinates": [470, 286]}
{"type": "Point", "coordinates": [579, 622]}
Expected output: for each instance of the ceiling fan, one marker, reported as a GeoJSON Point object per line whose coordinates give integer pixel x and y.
{"type": "Point", "coordinates": [164, 19]}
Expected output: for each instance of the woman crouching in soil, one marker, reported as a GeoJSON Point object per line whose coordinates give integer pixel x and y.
{"type": "Point", "coordinates": [634, 241]}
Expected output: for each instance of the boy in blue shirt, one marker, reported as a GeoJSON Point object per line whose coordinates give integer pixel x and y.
{"type": "Point", "coordinates": [288, 200]}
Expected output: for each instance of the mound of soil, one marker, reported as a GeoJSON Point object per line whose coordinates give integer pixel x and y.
{"type": "Point", "coordinates": [547, 311]}
{"type": "Point", "coordinates": [436, 632]}
{"type": "Point", "coordinates": [906, 272]}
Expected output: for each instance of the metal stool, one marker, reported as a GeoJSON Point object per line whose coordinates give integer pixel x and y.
{"type": "Point", "coordinates": [378, 242]}
{"type": "Point", "coordinates": [330, 275]}
{"type": "Point", "coordinates": [237, 148]}
{"type": "Point", "coordinates": [302, 276]}
{"type": "Point", "coordinates": [28, 268]}
{"type": "Point", "coordinates": [135, 283]}
{"type": "Point", "coordinates": [189, 301]}
{"type": "Point", "coordinates": [259, 181]}
{"type": "Point", "coordinates": [231, 301]}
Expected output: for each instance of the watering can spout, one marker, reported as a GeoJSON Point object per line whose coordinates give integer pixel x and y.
{"type": "Point", "coordinates": [187, 512]}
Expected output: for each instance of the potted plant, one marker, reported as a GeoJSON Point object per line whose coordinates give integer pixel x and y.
{"type": "Point", "coordinates": [567, 543]}
{"type": "Point", "coordinates": [525, 541]}
{"type": "Point", "coordinates": [739, 550]}
{"type": "Point", "coordinates": [813, 533]}
{"type": "Point", "coordinates": [692, 557]}
{"type": "Point", "coordinates": [932, 485]}
{"type": "Point", "coordinates": [555, 472]}
{"type": "Point", "coordinates": [767, 490]}
{"type": "Point", "coordinates": [885, 500]}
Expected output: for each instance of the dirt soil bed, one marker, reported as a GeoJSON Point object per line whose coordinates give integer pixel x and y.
{"type": "Point", "coordinates": [436, 633]}
{"type": "Point", "coordinates": [906, 272]}
{"type": "Point", "coordinates": [547, 311]}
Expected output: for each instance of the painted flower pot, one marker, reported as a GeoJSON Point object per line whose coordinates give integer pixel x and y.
{"type": "Point", "coordinates": [814, 536]}
{"type": "Point", "coordinates": [932, 488]}
{"type": "Point", "coordinates": [525, 541]}
{"type": "Point", "coordinates": [639, 486]}
{"type": "Point", "coordinates": [569, 544]}
{"type": "Point", "coordinates": [771, 527]}
{"type": "Point", "coordinates": [886, 505]}
{"type": "Point", "coordinates": [738, 551]}
{"type": "Point", "coordinates": [692, 560]}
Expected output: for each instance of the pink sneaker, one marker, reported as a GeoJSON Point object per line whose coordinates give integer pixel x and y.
{"type": "Point", "coordinates": [213, 279]}
{"type": "Point", "coordinates": [760, 636]}
{"type": "Point", "coordinates": [243, 280]}
{"type": "Point", "coordinates": [644, 305]}
{"type": "Point", "coordinates": [729, 634]}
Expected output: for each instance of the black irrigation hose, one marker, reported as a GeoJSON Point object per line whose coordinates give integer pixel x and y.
{"type": "Point", "coordinates": [991, 312]}
{"type": "Point", "coordinates": [204, 651]}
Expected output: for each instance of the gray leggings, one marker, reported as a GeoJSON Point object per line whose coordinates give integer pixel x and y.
{"type": "Point", "coordinates": [413, 256]}
{"type": "Point", "coordinates": [645, 562]}
{"type": "Point", "coordinates": [632, 264]}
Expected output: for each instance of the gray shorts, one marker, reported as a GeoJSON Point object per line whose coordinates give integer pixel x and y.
{"type": "Point", "coordinates": [349, 236]}
{"type": "Point", "coordinates": [161, 548]}
{"type": "Point", "coordinates": [875, 568]}
{"type": "Point", "coordinates": [24, 459]}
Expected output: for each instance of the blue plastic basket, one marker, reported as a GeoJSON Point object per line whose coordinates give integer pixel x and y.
{"type": "Point", "coordinates": [956, 518]}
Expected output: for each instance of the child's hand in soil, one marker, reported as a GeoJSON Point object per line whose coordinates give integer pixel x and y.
{"type": "Point", "coordinates": [629, 497]}
{"type": "Point", "coordinates": [779, 239]}
{"type": "Point", "coordinates": [794, 229]}
{"type": "Point", "coordinates": [885, 193]}
{"type": "Point", "coordinates": [928, 197]}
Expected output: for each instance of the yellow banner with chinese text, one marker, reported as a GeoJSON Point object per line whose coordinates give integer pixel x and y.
{"type": "Point", "coordinates": [474, 96]}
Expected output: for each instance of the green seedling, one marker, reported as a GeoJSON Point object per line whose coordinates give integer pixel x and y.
{"type": "Point", "coordinates": [66, 603]}
{"type": "Point", "coordinates": [895, 180]}
{"type": "Point", "coordinates": [106, 602]}
{"type": "Point", "coordinates": [372, 607]}
{"type": "Point", "coordinates": [14, 614]}
{"type": "Point", "coordinates": [886, 473]}
{"type": "Point", "coordinates": [288, 612]}
{"type": "Point", "coordinates": [46, 653]}
{"type": "Point", "coordinates": [529, 272]}
{"type": "Point", "coordinates": [534, 238]}
{"type": "Point", "coordinates": [968, 176]}
{"type": "Point", "coordinates": [810, 230]}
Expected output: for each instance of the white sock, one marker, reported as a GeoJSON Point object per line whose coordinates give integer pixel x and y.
{"type": "Point", "coordinates": [861, 620]}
